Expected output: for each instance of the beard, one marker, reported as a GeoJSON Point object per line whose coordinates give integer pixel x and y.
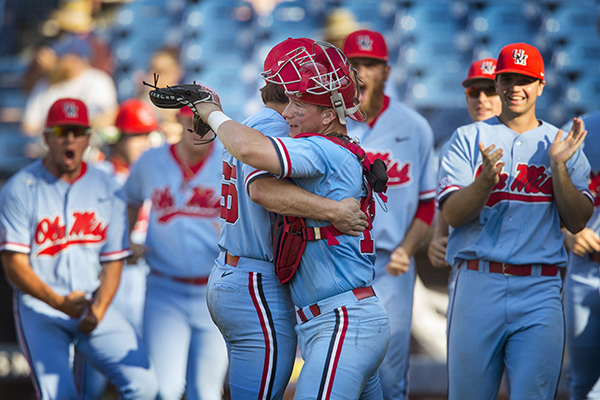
{"type": "Point", "coordinates": [372, 100]}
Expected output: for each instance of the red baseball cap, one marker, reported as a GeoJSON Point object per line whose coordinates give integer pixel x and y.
{"type": "Point", "coordinates": [68, 112]}
{"type": "Point", "coordinates": [481, 69]}
{"type": "Point", "coordinates": [136, 116]}
{"type": "Point", "coordinates": [366, 44]}
{"type": "Point", "coordinates": [521, 58]}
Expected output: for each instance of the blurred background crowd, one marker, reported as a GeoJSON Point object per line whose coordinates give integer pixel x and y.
{"type": "Point", "coordinates": [102, 51]}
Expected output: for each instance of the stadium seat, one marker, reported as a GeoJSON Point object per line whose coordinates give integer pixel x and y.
{"type": "Point", "coordinates": [441, 90]}
{"type": "Point", "coordinates": [582, 57]}
{"type": "Point", "coordinates": [570, 21]}
{"type": "Point", "coordinates": [499, 18]}
{"type": "Point", "coordinates": [426, 20]}
{"type": "Point", "coordinates": [377, 15]}
{"type": "Point", "coordinates": [582, 95]}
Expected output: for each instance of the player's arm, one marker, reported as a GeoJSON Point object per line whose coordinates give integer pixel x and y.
{"type": "Point", "coordinates": [19, 272]}
{"type": "Point", "coordinates": [437, 248]}
{"type": "Point", "coordinates": [400, 257]}
{"type": "Point", "coordinates": [137, 250]}
{"type": "Point", "coordinates": [462, 206]}
{"type": "Point", "coordinates": [110, 276]}
{"type": "Point", "coordinates": [283, 197]}
{"type": "Point", "coordinates": [574, 208]}
{"type": "Point", "coordinates": [244, 143]}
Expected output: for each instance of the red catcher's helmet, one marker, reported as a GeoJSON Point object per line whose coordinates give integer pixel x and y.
{"type": "Point", "coordinates": [136, 117]}
{"type": "Point", "coordinates": [318, 74]}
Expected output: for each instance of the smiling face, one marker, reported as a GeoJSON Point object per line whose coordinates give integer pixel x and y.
{"type": "Point", "coordinates": [303, 117]}
{"type": "Point", "coordinates": [66, 145]}
{"type": "Point", "coordinates": [482, 100]}
{"type": "Point", "coordinates": [518, 93]}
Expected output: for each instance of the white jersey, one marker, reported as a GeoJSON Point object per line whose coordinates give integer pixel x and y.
{"type": "Point", "coordinates": [183, 223]}
{"type": "Point", "coordinates": [67, 229]}
{"type": "Point", "coordinates": [402, 139]}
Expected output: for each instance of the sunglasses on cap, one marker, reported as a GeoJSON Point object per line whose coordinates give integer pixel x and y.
{"type": "Point", "coordinates": [475, 91]}
{"type": "Point", "coordinates": [63, 130]}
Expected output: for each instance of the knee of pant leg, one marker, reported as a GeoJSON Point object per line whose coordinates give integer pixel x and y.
{"type": "Point", "coordinates": [143, 387]}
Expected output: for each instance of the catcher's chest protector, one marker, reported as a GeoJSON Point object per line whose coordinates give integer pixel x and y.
{"type": "Point", "coordinates": [290, 234]}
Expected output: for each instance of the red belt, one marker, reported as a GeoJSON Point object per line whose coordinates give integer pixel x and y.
{"type": "Point", "coordinates": [512, 269]}
{"type": "Point", "coordinates": [595, 257]}
{"type": "Point", "coordinates": [182, 279]}
{"type": "Point", "coordinates": [360, 294]}
{"type": "Point", "coordinates": [231, 260]}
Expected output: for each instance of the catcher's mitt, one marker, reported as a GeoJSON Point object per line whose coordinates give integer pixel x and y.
{"type": "Point", "coordinates": [202, 129]}
{"type": "Point", "coordinates": [185, 95]}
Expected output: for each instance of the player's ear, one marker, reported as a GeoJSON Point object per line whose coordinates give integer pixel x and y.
{"type": "Point", "coordinates": [328, 115]}
{"type": "Point", "coordinates": [541, 87]}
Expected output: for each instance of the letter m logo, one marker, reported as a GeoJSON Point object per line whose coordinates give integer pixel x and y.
{"type": "Point", "coordinates": [520, 57]}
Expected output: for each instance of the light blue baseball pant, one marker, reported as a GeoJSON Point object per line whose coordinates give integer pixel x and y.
{"type": "Point", "coordinates": [582, 312]}
{"type": "Point", "coordinates": [396, 294]}
{"type": "Point", "coordinates": [129, 301]}
{"type": "Point", "coordinates": [498, 322]}
{"type": "Point", "coordinates": [256, 317]}
{"type": "Point", "coordinates": [185, 346]}
{"type": "Point", "coordinates": [342, 349]}
{"type": "Point", "coordinates": [113, 348]}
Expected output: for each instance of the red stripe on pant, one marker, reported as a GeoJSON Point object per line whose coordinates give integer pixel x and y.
{"type": "Point", "coordinates": [260, 306]}
{"type": "Point", "coordinates": [334, 353]}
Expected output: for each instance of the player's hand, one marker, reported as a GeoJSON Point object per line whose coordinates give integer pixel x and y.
{"type": "Point", "coordinates": [562, 150]}
{"type": "Point", "coordinates": [437, 252]}
{"type": "Point", "coordinates": [491, 164]}
{"type": "Point", "coordinates": [74, 304]}
{"type": "Point", "coordinates": [91, 320]}
{"type": "Point", "coordinates": [350, 219]}
{"type": "Point", "coordinates": [138, 251]}
{"type": "Point", "coordinates": [399, 262]}
{"type": "Point", "coordinates": [583, 242]}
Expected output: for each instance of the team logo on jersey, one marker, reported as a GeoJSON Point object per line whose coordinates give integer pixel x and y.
{"type": "Point", "coordinates": [520, 57]}
{"type": "Point", "coordinates": [52, 237]}
{"type": "Point", "coordinates": [532, 184]}
{"type": "Point", "coordinates": [365, 43]}
{"type": "Point", "coordinates": [399, 174]}
{"type": "Point", "coordinates": [487, 67]}
{"type": "Point", "coordinates": [203, 202]}
{"type": "Point", "coordinates": [70, 109]}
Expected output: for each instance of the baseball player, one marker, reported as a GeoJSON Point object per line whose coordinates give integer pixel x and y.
{"type": "Point", "coordinates": [506, 184]}
{"type": "Point", "coordinates": [403, 139]}
{"type": "Point", "coordinates": [183, 182]}
{"type": "Point", "coordinates": [253, 310]}
{"type": "Point", "coordinates": [582, 283]}
{"type": "Point", "coordinates": [482, 103]}
{"type": "Point", "coordinates": [63, 240]}
{"type": "Point", "coordinates": [343, 331]}
{"type": "Point", "coordinates": [135, 122]}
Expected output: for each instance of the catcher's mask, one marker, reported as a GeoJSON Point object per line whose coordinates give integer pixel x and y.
{"type": "Point", "coordinates": [318, 74]}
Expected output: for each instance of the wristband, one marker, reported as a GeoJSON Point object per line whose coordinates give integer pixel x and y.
{"type": "Point", "coordinates": [215, 119]}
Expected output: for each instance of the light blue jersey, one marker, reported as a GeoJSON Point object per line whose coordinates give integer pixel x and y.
{"type": "Point", "coordinates": [60, 225]}
{"type": "Point", "coordinates": [582, 286]}
{"type": "Point", "coordinates": [520, 223]}
{"type": "Point", "coordinates": [327, 270]}
{"type": "Point", "coordinates": [246, 226]}
{"type": "Point", "coordinates": [183, 220]}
